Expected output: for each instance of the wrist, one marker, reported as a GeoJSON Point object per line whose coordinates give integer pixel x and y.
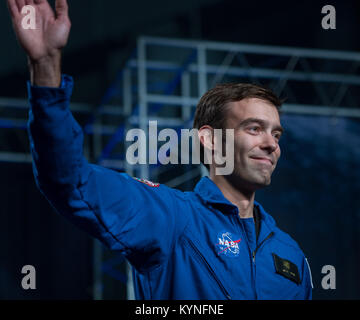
{"type": "Point", "coordinates": [46, 72]}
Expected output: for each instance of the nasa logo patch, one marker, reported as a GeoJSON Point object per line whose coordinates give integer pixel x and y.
{"type": "Point", "coordinates": [227, 244]}
{"type": "Point", "coordinates": [147, 182]}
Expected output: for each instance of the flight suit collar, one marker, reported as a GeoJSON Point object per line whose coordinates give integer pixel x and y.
{"type": "Point", "coordinates": [210, 194]}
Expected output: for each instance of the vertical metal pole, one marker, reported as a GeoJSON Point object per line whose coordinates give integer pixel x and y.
{"type": "Point", "coordinates": [202, 84]}
{"type": "Point", "coordinates": [97, 273]}
{"type": "Point", "coordinates": [143, 112]}
{"type": "Point", "coordinates": [202, 77]}
{"type": "Point", "coordinates": [97, 247]}
{"type": "Point", "coordinates": [127, 91]}
{"type": "Point", "coordinates": [186, 108]}
{"type": "Point", "coordinates": [127, 103]}
{"type": "Point", "coordinates": [185, 93]}
{"type": "Point", "coordinates": [128, 168]}
{"type": "Point", "coordinates": [143, 121]}
{"type": "Point", "coordinates": [130, 294]}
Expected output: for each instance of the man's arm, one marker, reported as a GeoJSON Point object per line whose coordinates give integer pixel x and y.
{"type": "Point", "coordinates": [126, 215]}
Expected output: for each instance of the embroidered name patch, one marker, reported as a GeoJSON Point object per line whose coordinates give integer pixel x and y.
{"type": "Point", "coordinates": [286, 268]}
{"type": "Point", "coordinates": [147, 182]}
{"type": "Point", "coordinates": [227, 244]}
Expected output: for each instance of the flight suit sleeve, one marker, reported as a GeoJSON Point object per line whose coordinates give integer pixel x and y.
{"type": "Point", "coordinates": [307, 280]}
{"type": "Point", "coordinates": [306, 283]}
{"type": "Point", "coordinates": [139, 220]}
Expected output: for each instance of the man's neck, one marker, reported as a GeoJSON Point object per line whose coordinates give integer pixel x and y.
{"type": "Point", "coordinates": [243, 200]}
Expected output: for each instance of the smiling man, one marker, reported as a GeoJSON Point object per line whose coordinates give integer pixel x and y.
{"type": "Point", "coordinates": [253, 113]}
{"type": "Point", "coordinates": [277, 262]}
{"type": "Point", "coordinates": [215, 242]}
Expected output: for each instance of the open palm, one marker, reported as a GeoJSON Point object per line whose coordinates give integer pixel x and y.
{"type": "Point", "coordinates": [52, 28]}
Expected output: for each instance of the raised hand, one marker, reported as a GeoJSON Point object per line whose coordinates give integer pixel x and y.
{"type": "Point", "coordinates": [52, 29]}
{"type": "Point", "coordinates": [43, 45]}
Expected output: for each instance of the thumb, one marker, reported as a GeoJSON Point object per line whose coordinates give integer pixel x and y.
{"type": "Point", "coordinates": [61, 8]}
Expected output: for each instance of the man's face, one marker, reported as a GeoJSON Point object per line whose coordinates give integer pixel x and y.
{"type": "Point", "coordinates": [257, 131]}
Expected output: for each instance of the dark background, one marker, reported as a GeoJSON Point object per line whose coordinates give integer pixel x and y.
{"type": "Point", "coordinates": [103, 36]}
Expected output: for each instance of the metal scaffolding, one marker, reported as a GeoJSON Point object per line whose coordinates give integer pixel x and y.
{"type": "Point", "coordinates": [163, 80]}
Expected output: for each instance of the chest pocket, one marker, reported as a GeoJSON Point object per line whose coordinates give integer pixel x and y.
{"type": "Point", "coordinates": [196, 253]}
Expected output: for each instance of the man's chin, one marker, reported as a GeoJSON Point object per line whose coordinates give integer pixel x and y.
{"type": "Point", "coordinates": [261, 185]}
{"type": "Point", "coordinates": [250, 184]}
{"type": "Point", "coordinates": [261, 182]}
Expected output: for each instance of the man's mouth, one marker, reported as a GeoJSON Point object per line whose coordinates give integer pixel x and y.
{"type": "Point", "coordinates": [264, 160]}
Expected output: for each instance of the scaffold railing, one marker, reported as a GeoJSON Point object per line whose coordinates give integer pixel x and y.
{"type": "Point", "coordinates": [165, 74]}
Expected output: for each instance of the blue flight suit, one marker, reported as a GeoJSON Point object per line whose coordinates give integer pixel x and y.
{"type": "Point", "coordinates": [182, 245]}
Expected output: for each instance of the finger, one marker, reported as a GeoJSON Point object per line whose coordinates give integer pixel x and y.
{"type": "Point", "coordinates": [20, 4]}
{"type": "Point", "coordinates": [13, 8]}
{"type": "Point", "coordinates": [29, 2]}
{"type": "Point", "coordinates": [61, 8]}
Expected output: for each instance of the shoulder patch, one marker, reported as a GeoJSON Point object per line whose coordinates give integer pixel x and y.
{"type": "Point", "coordinates": [147, 182]}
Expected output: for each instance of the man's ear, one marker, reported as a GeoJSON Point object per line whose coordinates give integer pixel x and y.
{"type": "Point", "coordinates": [206, 137]}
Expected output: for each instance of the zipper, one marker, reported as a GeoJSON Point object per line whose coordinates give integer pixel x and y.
{"type": "Point", "coordinates": [260, 244]}
{"type": "Point", "coordinates": [209, 269]}
{"type": "Point", "coordinates": [240, 226]}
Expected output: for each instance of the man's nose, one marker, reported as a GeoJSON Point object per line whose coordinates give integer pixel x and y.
{"type": "Point", "coordinates": [269, 143]}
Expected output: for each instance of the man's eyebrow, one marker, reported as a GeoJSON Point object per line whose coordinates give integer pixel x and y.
{"type": "Point", "coordinates": [261, 122]}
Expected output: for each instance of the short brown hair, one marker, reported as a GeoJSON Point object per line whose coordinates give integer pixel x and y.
{"type": "Point", "coordinates": [212, 107]}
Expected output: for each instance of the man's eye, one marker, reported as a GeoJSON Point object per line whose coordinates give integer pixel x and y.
{"type": "Point", "coordinates": [254, 129]}
{"type": "Point", "coordinates": [277, 136]}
